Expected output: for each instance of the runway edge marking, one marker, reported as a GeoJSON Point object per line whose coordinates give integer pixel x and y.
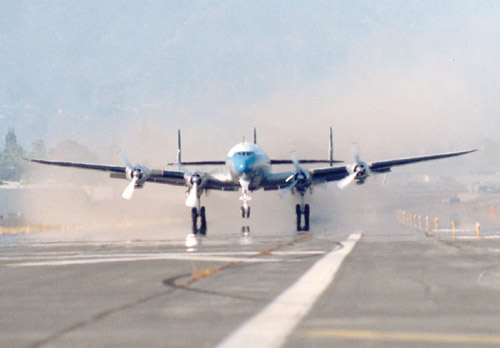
{"type": "Point", "coordinates": [270, 327]}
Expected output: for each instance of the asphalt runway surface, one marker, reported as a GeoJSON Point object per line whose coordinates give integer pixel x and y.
{"type": "Point", "coordinates": [367, 281]}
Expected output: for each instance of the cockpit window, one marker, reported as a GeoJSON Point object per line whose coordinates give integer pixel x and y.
{"type": "Point", "coordinates": [245, 153]}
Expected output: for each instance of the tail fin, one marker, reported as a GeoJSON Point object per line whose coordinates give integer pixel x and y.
{"type": "Point", "coordinates": [179, 158]}
{"type": "Point", "coordinates": [331, 147]}
{"type": "Point", "coordinates": [255, 135]}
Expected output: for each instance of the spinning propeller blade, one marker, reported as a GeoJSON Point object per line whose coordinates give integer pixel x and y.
{"type": "Point", "coordinates": [129, 191]}
{"type": "Point", "coordinates": [125, 161]}
{"type": "Point", "coordinates": [342, 184]}
{"type": "Point", "coordinates": [192, 196]}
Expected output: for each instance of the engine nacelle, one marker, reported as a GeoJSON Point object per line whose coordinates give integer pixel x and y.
{"type": "Point", "coordinates": [302, 179]}
{"type": "Point", "coordinates": [195, 177]}
{"type": "Point", "coordinates": [139, 172]}
{"type": "Point", "coordinates": [362, 170]}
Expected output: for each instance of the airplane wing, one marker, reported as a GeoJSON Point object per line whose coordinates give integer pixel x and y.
{"type": "Point", "coordinates": [302, 161]}
{"type": "Point", "coordinates": [276, 181]}
{"type": "Point", "coordinates": [384, 166]}
{"type": "Point", "coordinates": [199, 163]}
{"type": "Point", "coordinates": [327, 174]}
{"type": "Point", "coordinates": [119, 172]}
{"type": "Point", "coordinates": [169, 177]}
{"type": "Point", "coordinates": [101, 167]}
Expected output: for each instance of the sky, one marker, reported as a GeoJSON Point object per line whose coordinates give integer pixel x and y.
{"type": "Point", "coordinates": [396, 77]}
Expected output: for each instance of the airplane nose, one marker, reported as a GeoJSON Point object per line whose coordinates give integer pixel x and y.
{"type": "Point", "coordinates": [242, 165]}
{"type": "Point", "coordinates": [241, 168]}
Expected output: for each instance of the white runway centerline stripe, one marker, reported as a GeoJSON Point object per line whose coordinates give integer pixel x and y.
{"type": "Point", "coordinates": [133, 258]}
{"type": "Point", "coordinates": [270, 327]}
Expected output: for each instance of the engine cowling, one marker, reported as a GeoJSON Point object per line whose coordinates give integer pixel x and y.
{"type": "Point", "coordinates": [362, 172]}
{"type": "Point", "coordinates": [139, 173]}
{"type": "Point", "coordinates": [195, 181]}
{"type": "Point", "coordinates": [195, 178]}
{"type": "Point", "coordinates": [302, 178]}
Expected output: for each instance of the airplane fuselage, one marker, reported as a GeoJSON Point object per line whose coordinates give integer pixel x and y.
{"type": "Point", "coordinates": [247, 162]}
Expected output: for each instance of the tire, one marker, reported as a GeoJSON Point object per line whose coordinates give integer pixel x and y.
{"type": "Point", "coordinates": [194, 217]}
{"type": "Point", "coordinates": [203, 228]}
{"type": "Point", "coordinates": [306, 217]}
{"type": "Point", "coordinates": [299, 217]}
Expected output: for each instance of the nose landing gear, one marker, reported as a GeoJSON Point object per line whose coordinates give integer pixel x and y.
{"type": "Point", "coordinates": [245, 198]}
{"type": "Point", "coordinates": [245, 211]}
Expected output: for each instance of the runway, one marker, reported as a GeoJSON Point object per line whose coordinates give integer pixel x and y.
{"type": "Point", "coordinates": [394, 287]}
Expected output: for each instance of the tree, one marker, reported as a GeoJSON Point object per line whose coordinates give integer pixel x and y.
{"type": "Point", "coordinates": [11, 163]}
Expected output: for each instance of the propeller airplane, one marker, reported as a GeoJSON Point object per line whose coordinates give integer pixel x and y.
{"type": "Point", "coordinates": [249, 170]}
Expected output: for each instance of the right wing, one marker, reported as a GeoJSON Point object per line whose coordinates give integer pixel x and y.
{"type": "Point", "coordinates": [302, 161]}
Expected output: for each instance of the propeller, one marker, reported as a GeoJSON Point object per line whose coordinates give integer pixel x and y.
{"type": "Point", "coordinates": [195, 179]}
{"type": "Point", "coordinates": [192, 196]}
{"type": "Point", "coordinates": [358, 170]}
{"type": "Point", "coordinates": [136, 174]}
{"type": "Point", "coordinates": [300, 176]}
{"type": "Point", "coordinates": [129, 191]}
{"type": "Point", "coordinates": [342, 184]}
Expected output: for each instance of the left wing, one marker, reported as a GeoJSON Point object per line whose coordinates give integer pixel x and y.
{"type": "Point", "coordinates": [338, 173]}
{"type": "Point", "coordinates": [169, 177]}
{"type": "Point", "coordinates": [101, 167]}
{"type": "Point", "coordinates": [120, 172]}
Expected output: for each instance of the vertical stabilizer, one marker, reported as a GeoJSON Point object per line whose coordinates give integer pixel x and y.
{"type": "Point", "coordinates": [331, 147]}
{"type": "Point", "coordinates": [179, 159]}
{"type": "Point", "coordinates": [255, 135]}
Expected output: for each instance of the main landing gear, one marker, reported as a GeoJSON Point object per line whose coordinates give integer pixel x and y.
{"type": "Point", "coordinates": [302, 210]}
{"type": "Point", "coordinates": [199, 215]}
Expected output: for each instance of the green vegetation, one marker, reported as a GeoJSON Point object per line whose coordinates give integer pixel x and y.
{"type": "Point", "coordinates": [11, 158]}
{"type": "Point", "coordinates": [13, 168]}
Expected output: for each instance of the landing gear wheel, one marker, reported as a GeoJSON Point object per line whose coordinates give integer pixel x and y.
{"type": "Point", "coordinates": [299, 216]}
{"type": "Point", "coordinates": [245, 213]}
{"type": "Point", "coordinates": [306, 217]}
{"type": "Point", "coordinates": [203, 227]}
{"type": "Point", "coordinates": [203, 221]}
{"type": "Point", "coordinates": [194, 217]}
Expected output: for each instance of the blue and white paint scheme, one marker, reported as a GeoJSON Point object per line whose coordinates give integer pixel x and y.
{"type": "Point", "coordinates": [249, 169]}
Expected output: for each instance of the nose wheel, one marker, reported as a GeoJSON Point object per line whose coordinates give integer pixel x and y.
{"type": "Point", "coordinates": [302, 210]}
{"type": "Point", "coordinates": [245, 212]}
{"type": "Point", "coordinates": [195, 216]}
